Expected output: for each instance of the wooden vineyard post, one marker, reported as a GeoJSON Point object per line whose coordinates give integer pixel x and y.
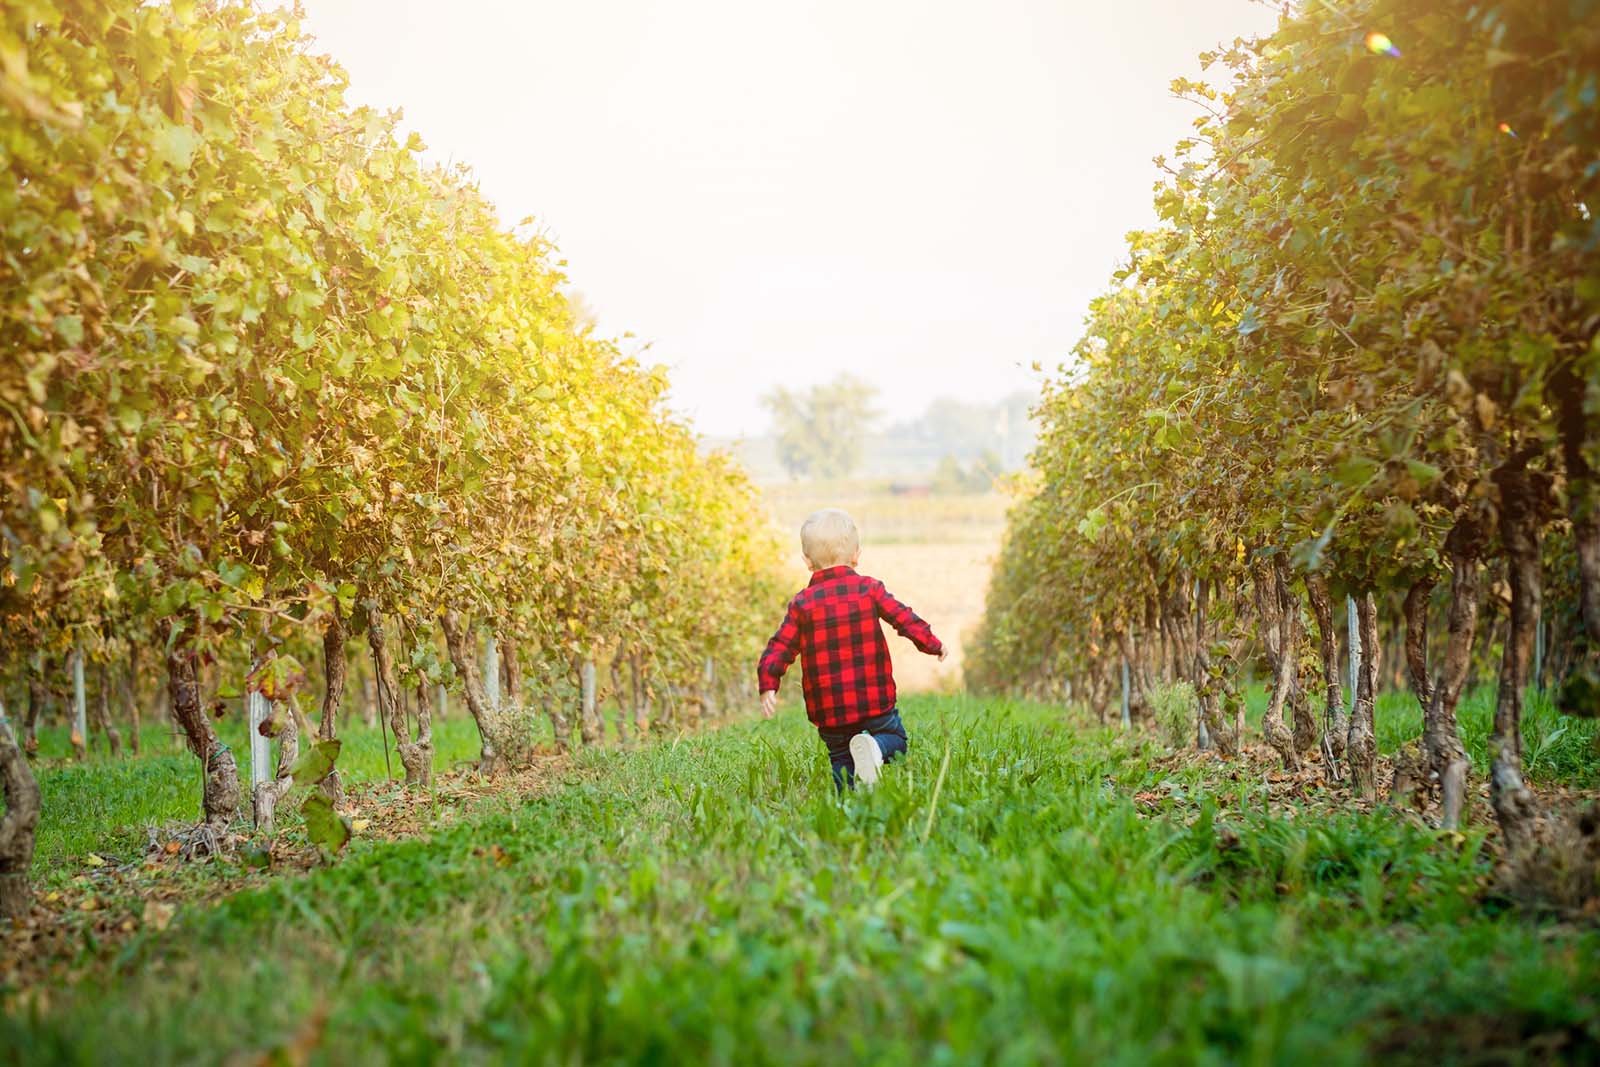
{"type": "Point", "coordinates": [80, 709]}
{"type": "Point", "coordinates": [258, 708]}
{"type": "Point", "coordinates": [442, 700]}
{"type": "Point", "coordinates": [589, 724]}
{"type": "Point", "coordinates": [1127, 715]}
{"type": "Point", "coordinates": [491, 673]}
{"type": "Point", "coordinates": [1353, 627]}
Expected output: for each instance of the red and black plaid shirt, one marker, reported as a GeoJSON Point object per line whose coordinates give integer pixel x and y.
{"type": "Point", "coordinates": [832, 625]}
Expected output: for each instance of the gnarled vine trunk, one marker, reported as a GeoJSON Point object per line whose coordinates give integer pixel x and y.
{"type": "Point", "coordinates": [1304, 723]}
{"type": "Point", "coordinates": [18, 825]}
{"type": "Point", "coordinates": [1280, 638]}
{"type": "Point", "coordinates": [220, 795]}
{"type": "Point", "coordinates": [424, 741]}
{"type": "Point", "coordinates": [1176, 624]}
{"type": "Point", "coordinates": [1150, 645]}
{"type": "Point", "coordinates": [1441, 739]}
{"type": "Point", "coordinates": [1335, 724]}
{"type": "Point", "coordinates": [1212, 728]}
{"type": "Point", "coordinates": [416, 756]}
{"type": "Point", "coordinates": [1414, 658]}
{"type": "Point", "coordinates": [130, 696]}
{"type": "Point", "coordinates": [641, 697]}
{"type": "Point", "coordinates": [708, 684]}
{"type": "Point", "coordinates": [1415, 611]}
{"type": "Point", "coordinates": [624, 712]}
{"type": "Point", "coordinates": [1361, 743]}
{"type": "Point", "coordinates": [37, 698]}
{"type": "Point", "coordinates": [1568, 389]}
{"type": "Point", "coordinates": [1139, 695]}
{"type": "Point", "coordinates": [510, 668]}
{"type": "Point", "coordinates": [269, 793]}
{"type": "Point", "coordinates": [1099, 689]}
{"type": "Point", "coordinates": [560, 720]}
{"type": "Point", "coordinates": [1522, 495]}
{"type": "Point", "coordinates": [335, 669]}
{"type": "Point", "coordinates": [102, 710]}
{"type": "Point", "coordinates": [457, 639]}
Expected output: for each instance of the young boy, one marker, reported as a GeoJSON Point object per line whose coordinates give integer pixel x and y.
{"type": "Point", "coordinates": [832, 625]}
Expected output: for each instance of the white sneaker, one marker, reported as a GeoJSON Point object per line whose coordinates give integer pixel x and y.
{"type": "Point", "coordinates": [868, 758]}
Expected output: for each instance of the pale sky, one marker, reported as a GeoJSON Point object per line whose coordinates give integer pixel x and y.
{"type": "Point", "coordinates": [924, 194]}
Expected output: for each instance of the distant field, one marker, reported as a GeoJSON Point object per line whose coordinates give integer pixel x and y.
{"type": "Point", "coordinates": [933, 552]}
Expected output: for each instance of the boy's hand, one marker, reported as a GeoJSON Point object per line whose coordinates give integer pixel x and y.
{"type": "Point", "coordinates": [944, 653]}
{"type": "Point", "coordinates": [769, 703]}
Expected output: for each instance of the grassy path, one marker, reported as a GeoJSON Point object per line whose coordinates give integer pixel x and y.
{"type": "Point", "coordinates": [104, 805]}
{"type": "Point", "coordinates": [710, 901]}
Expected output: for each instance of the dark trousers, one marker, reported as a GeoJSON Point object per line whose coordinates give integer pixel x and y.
{"type": "Point", "coordinates": [886, 729]}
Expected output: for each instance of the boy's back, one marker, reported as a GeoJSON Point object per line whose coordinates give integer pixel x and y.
{"type": "Point", "coordinates": [832, 625]}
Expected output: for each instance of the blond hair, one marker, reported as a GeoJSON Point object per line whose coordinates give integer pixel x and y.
{"type": "Point", "coordinates": [829, 538]}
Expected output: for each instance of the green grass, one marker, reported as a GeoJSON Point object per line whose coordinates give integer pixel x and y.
{"type": "Point", "coordinates": [1555, 747]}
{"type": "Point", "coordinates": [711, 901]}
{"type": "Point", "coordinates": [104, 805]}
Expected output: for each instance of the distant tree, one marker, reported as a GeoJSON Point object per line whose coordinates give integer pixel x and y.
{"type": "Point", "coordinates": [985, 469]}
{"type": "Point", "coordinates": [948, 478]}
{"type": "Point", "coordinates": [969, 432]}
{"type": "Point", "coordinates": [961, 429]}
{"type": "Point", "coordinates": [819, 429]}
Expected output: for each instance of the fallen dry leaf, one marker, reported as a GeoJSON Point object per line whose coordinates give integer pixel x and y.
{"type": "Point", "coordinates": [158, 914]}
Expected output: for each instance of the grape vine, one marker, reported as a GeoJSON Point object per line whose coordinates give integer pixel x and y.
{"type": "Point", "coordinates": [1358, 355]}
{"type": "Point", "coordinates": [271, 383]}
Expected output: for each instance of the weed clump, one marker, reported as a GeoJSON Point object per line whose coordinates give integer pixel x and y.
{"type": "Point", "coordinates": [1560, 872]}
{"type": "Point", "coordinates": [514, 731]}
{"type": "Point", "coordinates": [1174, 708]}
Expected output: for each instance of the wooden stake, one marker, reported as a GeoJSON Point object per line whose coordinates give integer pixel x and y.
{"type": "Point", "coordinates": [258, 709]}
{"type": "Point", "coordinates": [589, 723]}
{"type": "Point", "coordinates": [1127, 714]}
{"type": "Point", "coordinates": [1353, 627]}
{"type": "Point", "coordinates": [80, 708]}
{"type": "Point", "coordinates": [491, 672]}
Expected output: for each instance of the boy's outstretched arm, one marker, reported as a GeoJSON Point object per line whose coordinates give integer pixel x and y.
{"type": "Point", "coordinates": [780, 653]}
{"type": "Point", "coordinates": [907, 623]}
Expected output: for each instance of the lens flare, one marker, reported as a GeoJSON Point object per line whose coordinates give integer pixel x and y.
{"type": "Point", "coordinates": [1505, 128]}
{"type": "Point", "coordinates": [1380, 45]}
